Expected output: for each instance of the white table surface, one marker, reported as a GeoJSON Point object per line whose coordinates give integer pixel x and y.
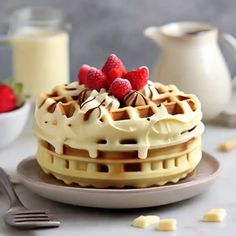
{"type": "Point", "coordinates": [88, 221]}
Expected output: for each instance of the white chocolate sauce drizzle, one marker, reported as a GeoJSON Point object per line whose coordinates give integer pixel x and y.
{"type": "Point", "coordinates": [88, 116]}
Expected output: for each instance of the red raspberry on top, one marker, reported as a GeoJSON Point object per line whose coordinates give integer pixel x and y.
{"type": "Point", "coordinates": [120, 87]}
{"type": "Point", "coordinates": [113, 68]}
{"type": "Point", "coordinates": [138, 77]}
{"type": "Point", "coordinates": [83, 74]}
{"type": "Point", "coordinates": [7, 98]}
{"type": "Point", "coordinates": [96, 79]}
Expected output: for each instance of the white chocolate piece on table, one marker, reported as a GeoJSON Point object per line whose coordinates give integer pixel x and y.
{"type": "Point", "coordinates": [215, 215]}
{"type": "Point", "coordinates": [228, 146]}
{"type": "Point", "coordinates": [145, 221]}
{"type": "Point", "coordinates": [167, 225]}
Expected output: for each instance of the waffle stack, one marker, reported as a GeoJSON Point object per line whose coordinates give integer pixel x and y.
{"type": "Point", "coordinates": [92, 139]}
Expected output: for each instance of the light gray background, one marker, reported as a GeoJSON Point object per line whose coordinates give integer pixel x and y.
{"type": "Point", "coordinates": [104, 26]}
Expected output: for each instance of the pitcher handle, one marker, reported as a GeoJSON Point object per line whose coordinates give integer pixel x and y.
{"type": "Point", "coordinates": [230, 41]}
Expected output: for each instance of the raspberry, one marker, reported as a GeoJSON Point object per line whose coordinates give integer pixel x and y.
{"type": "Point", "coordinates": [96, 79]}
{"type": "Point", "coordinates": [7, 98]}
{"type": "Point", "coordinates": [138, 77]}
{"type": "Point", "coordinates": [83, 74]}
{"type": "Point", "coordinates": [113, 68]}
{"type": "Point", "coordinates": [120, 87]}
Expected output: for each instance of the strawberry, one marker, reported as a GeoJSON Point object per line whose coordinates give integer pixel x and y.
{"type": "Point", "coordinates": [138, 77]}
{"type": "Point", "coordinates": [7, 98]}
{"type": "Point", "coordinates": [96, 79]}
{"type": "Point", "coordinates": [83, 74]}
{"type": "Point", "coordinates": [120, 87]}
{"type": "Point", "coordinates": [113, 68]}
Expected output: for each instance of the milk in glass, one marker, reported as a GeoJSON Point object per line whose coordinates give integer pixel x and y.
{"type": "Point", "coordinates": [40, 59]}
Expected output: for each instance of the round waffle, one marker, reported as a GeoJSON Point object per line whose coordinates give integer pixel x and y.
{"type": "Point", "coordinates": [87, 137]}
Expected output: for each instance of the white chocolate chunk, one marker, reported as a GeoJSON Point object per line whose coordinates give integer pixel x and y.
{"type": "Point", "coordinates": [228, 146]}
{"type": "Point", "coordinates": [215, 215]}
{"type": "Point", "coordinates": [145, 221]}
{"type": "Point", "coordinates": [167, 225]}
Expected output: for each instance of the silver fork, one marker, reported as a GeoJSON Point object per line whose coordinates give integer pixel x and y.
{"type": "Point", "coordinates": [21, 217]}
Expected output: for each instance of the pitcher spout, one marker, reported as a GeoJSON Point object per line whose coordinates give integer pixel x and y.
{"type": "Point", "coordinates": [154, 33]}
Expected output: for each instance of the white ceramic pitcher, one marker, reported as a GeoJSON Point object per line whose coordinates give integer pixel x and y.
{"type": "Point", "coordinates": [191, 58]}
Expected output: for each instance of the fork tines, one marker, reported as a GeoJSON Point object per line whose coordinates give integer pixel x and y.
{"type": "Point", "coordinates": [31, 219]}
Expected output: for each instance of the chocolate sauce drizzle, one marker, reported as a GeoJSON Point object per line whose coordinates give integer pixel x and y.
{"type": "Point", "coordinates": [83, 95]}
{"type": "Point", "coordinates": [83, 104]}
{"type": "Point", "coordinates": [149, 85]}
{"type": "Point", "coordinates": [90, 111]}
{"type": "Point", "coordinates": [70, 89]}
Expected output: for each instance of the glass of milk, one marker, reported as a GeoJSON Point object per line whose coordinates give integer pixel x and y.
{"type": "Point", "coordinates": [40, 47]}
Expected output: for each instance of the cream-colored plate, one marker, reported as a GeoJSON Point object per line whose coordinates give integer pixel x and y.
{"type": "Point", "coordinates": [36, 180]}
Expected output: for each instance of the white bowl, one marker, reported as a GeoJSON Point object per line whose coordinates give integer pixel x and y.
{"type": "Point", "coordinates": [12, 124]}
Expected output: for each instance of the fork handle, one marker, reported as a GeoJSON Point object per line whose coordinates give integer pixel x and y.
{"type": "Point", "coordinates": [9, 190]}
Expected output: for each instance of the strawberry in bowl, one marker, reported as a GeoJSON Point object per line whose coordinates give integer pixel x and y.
{"type": "Point", "coordinates": [7, 98]}
{"type": "Point", "coordinates": [14, 112]}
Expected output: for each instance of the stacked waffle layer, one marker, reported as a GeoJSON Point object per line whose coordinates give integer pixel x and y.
{"type": "Point", "coordinates": [93, 139]}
